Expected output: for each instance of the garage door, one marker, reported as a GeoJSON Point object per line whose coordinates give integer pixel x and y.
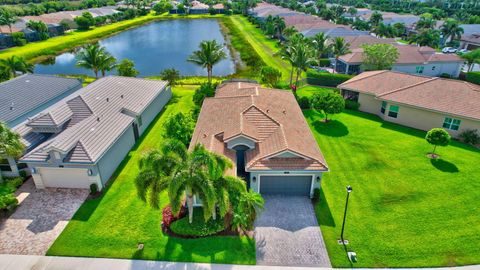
{"type": "Point", "coordinates": [65, 177]}
{"type": "Point", "coordinates": [286, 185]}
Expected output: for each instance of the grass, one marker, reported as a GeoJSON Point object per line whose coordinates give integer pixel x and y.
{"type": "Point", "coordinates": [112, 225]}
{"type": "Point", "coordinates": [405, 209]}
{"type": "Point", "coordinates": [309, 90]}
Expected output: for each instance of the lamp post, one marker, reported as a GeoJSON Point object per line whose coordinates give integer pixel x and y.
{"type": "Point", "coordinates": [343, 241]}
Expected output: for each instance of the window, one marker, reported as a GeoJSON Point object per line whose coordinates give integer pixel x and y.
{"type": "Point", "coordinates": [419, 69]}
{"type": "Point", "coordinates": [393, 111]}
{"type": "Point", "coordinates": [451, 123]}
{"type": "Point", "coordinates": [384, 107]}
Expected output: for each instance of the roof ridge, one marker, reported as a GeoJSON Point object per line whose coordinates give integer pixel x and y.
{"type": "Point", "coordinates": [84, 149]}
{"type": "Point", "coordinates": [408, 86]}
{"type": "Point", "coordinates": [374, 73]}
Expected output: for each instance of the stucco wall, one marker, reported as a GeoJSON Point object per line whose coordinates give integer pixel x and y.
{"type": "Point", "coordinates": [154, 108]}
{"type": "Point", "coordinates": [254, 185]}
{"type": "Point", "coordinates": [369, 104]}
{"type": "Point", "coordinates": [432, 69]}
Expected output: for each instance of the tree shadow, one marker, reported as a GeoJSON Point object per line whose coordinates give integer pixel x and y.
{"type": "Point", "coordinates": [332, 128]}
{"type": "Point", "coordinates": [444, 166]}
{"type": "Point", "coordinates": [322, 209]}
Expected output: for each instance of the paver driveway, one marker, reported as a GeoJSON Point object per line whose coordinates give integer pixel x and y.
{"type": "Point", "coordinates": [287, 233]}
{"type": "Point", "coordinates": [39, 219]}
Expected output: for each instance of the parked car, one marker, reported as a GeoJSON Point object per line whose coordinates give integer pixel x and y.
{"type": "Point", "coordinates": [449, 50]}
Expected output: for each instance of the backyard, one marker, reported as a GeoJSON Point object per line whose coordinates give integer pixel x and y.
{"type": "Point", "coordinates": [405, 210]}
{"type": "Point", "coordinates": [113, 225]}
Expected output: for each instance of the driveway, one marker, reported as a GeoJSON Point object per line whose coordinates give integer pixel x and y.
{"type": "Point", "coordinates": [39, 219]}
{"type": "Point", "coordinates": [287, 233]}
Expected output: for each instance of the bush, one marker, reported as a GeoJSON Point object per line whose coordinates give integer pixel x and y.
{"type": "Point", "coordinates": [93, 189]}
{"type": "Point", "coordinates": [470, 136]}
{"type": "Point", "coordinates": [304, 103]}
{"type": "Point", "coordinates": [270, 76]}
{"type": "Point", "coordinates": [324, 62]}
{"type": "Point", "coordinates": [352, 105]}
{"type": "Point", "coordinates": [445, 75]}
{"type": "Point", "coordinates": [168, 217]}
{"type": "Point", "coordinates": [8, 202]}
{"type": "Point", "coordinates": [19, 38]}
{"type": "Point", "coordinates": [473, 77]}
{"type": "Point", "coordinates": [205, 90]}
{"type": "Point", "coordinates": [14, 182]}
{"type": "Point", "coordinates": [326, 79]}
{"type": "Point", "coordinates": [198, 227]}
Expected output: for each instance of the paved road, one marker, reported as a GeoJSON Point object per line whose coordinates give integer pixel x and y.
{"type": "Point", "coordinates": [39, 219]}
{"type": "Point", "coordinates": [287, 233]}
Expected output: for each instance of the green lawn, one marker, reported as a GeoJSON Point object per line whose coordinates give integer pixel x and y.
{"type": "Point", "coordinates": [405, 210]}
{"type": "Point", "coordinates": [309, 90]}
{"type": "Point", "coordinates": [111, 226]}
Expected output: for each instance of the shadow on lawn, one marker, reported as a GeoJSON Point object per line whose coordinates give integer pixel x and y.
{"type": "Point", "coordinates": [444, 166]}
{"type": "Point", "coordinates": [332, 128]}
{"type": "Point", "coordinates": [324, 215]}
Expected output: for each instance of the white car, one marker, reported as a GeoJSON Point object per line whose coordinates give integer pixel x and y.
{"type": "Point", "coordinates": [449, 50]}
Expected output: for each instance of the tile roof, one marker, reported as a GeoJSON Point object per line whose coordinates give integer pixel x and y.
{"type": "Point", "coordinates": [100, 113]}
{"type": "Point", "coordinates": [270, 117]}
{"type": "Point", "coordinates": [358, 40]}
{"type": "Point", "coordinates": [40, 89]}
{"type": "Point", "coordinates": [437, 94]}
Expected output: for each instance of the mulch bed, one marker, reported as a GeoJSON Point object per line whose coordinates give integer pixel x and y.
{"type": "Point", "coordinates": [225, 232]}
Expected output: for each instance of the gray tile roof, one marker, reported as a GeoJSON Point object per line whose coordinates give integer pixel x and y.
{"type": "Point", "coordinates": [101, 112]}
{"type": "Point", "coordinates": [23, 94]}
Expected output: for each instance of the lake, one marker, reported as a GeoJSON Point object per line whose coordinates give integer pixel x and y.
{"type": "Point", "coordinates": [153, 48]}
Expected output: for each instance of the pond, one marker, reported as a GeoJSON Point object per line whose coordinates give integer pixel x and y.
{"type": "Point", "coordinates": [153, 48]}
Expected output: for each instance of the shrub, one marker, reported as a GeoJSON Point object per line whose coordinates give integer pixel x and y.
{"type": "Point", "coordinates": [14, 182]}
{"type": "Point", "coordinates": [127, 68]}
{"type": "Point", "coordinates": [304, 103]}
{"type": "Point", "coordinates": [180, 127]}
{"type": "Point", "coordinates": [85, 21]}
{"type": "Point", "coordinates": [19, 38]}
{"type": "Point", "coordinates": [473, 77]}
{"type": "Point", "coordinates": [445, 75]}
{"type": "Point", "coordinates": [8, 202]}
{"type": "Point", "coordinates": [168, 217]}
{"type": "Point", "coordinates": [352, 105]}
{"type": "Point", "coordinates": [470, 136]}
{"type": "Point", "coordinates": [93, 189]}
{"type": "Point", "coordinates": [171, 75]}
{"type": "Point", "coordinates": [326, 79]}
{"type": "Point", "coordinates": [324, 62]}
{"type": "Point", "coordinates": [199, 227]}
{"type": "Point", "coordinates": [205, 90]}
{"type": "Point", "coordinates": [316, 195]}
{"type": "Point", "coordinates": [270, 76]}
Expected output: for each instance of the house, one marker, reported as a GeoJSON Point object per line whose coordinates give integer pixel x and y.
{"type": "Point", "coordinates": [416, 101]}
{"type": "Point", "coordinates": [391, 18]}
{"type": "Point", "coordinates": [411, 59]}
{"type": "Point", "coordinates": [91, 131]}
{"type": "Point", "coordinates": [198, 8]}
{"type": "Point", "coordinates": [263, 132]}
{"type": "Point", "coordinates": [24, 97]}
{"type": "Point", "coordinates": [356, 41]}
{"type": "Point", "coordinates": [470, 39]}
{"type": "Point", "coordinates": [340, 31]}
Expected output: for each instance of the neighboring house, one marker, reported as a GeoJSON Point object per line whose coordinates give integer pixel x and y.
{"type": "Point", "coordinates": [198, 8]}
{"type": "Point", "coordinates": [411, 59]}
{"type": "Point", "coordinates": [340, 31]}
{"type": "Point", "coordinates": [92, 131]}
{"type": "Point", "coordinates": [391, 18]}
{"type": "Point", "coordinates": [219, 8]}
{"type": "Point", "coordinates": [263, 132]}
{"type": "Point", "coordinates": [356, 41]}
{"type": "Point", "coordinates": [416, 101]}
{"type": "Point", "coordinates": [24, 97]}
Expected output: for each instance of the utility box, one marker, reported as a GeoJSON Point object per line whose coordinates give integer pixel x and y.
{"type": "Point", "coordinates": [352, 256]}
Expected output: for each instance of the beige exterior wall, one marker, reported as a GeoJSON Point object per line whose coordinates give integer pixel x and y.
{"type": "Point", "coordinates": [368, 103]}
{"type": "Point", "coordinates": [426, 120]}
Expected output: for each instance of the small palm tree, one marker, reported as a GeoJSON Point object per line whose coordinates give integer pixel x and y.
{"type": "Point", "coordinates": [451, 29]}
{"type": "Point", "coordinates": [10, 144]}
{"type": "Point", "coordinates": [319, 43]}
{"type": "Point", "coordinates": [340, 47]}
{"type": "Point", "coordinates": [278, 26]}
{"type": "Point", "coordinates": [107, 63]}
{"type": "Point", "coordinates": [210, 54]}
{"type": "Point", "coordinates": [14, 64]}
{"type": "Point", "coordinates": [251, 203]}
{"type": "Point", "coordinates": [7, 18]}
{"type": "Point", "coordinates": [90, 57]}
{"type": "Point", "coordinates": [304, 58]}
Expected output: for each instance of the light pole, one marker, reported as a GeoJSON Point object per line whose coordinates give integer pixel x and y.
{"type": "Point", "coordinates": [343, 241]}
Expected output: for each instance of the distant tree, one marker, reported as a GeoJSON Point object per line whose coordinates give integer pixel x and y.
{"type": "Point", "coordinates": [427, 37]}
{"type": "Point", "coordinates": [379, 56]}
{"type": "Point", "coordinates": [107, 63]}
{"type": "Point", "coordinates": [328, 102]}
{"type": "Point", "coordinates": [90, 57]}
{"type": "Point", "coordinates": [352, 11]}
{"type": "Point", "coordinates": [7, 18]}
{"type": "Point", "coordinates": [289, 31]}
{"type": "Point", "coordinates": [320, 44]}
{"type": "Point", "coordinates": [340, 47]}
{"type": "Point", "coordinates": [171, 75]}
{"type": "Point", "coordinates": [437, 137]}
{"type": "Point", "coordinates": [376, 18]}
{"type": "Point", "coordinates": [10, 143]}
{"type": "Point", "coordinates": [14, 64]}
{"type": "Point", "coordinates": [162, 7]}
{"type": "Point", "coordinates": [338, 12]}
{"type": "Point", "coordinates": [361, 25]}
{"type": "Point", "coordinates": [278, 26]}
{"type": "Point", "coordinates": [126, 68]}
{"type": "Point", "coordinates": [327, 14]}
{"type": "Point", "coordinates": [179, 127]}
{"type": "Point", "coordinates": [399, 29]}
{"type": "Point", "coordinates": [40, 27]}
{"type": "Point", "coordinates": [210, 54]}
{"type": "Point", "coordinates": [383, 30]}
{"type": "Point", "coordinates": [205, 90]}
{"type": "Point", "coordinates": [426, 21]}
{"type": "Point", "coordinates": [270, 76]}
{"type": "Point", "coordinates": [451, 30]}
{"type": "Point", "coordinates": [85, 21]}
{"type": "Point", "coordinates": [471, 58]}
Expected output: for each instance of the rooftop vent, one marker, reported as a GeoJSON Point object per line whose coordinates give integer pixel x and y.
{"type": "Point", "coordinates": [121, 96]}
{"type": "Point", "coordinates": [268, 110]}
{"type": "Point", "coordinates": [108, 99]}
{"type": "Point", "coordinates": [204, 135]}
{"type": "Point", "coordinates": [98, 119]}
{"type": "Point", "coordinates": [284, 111]}
{"type": "Point", "coordinates": [11, 106]}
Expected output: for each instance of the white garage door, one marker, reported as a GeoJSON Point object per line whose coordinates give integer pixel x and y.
{"type": "Point", "coordinates": [65, 177]}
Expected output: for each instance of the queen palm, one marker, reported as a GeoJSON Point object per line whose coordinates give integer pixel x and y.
{"type": "Point", "coordinates": [14, 64]}
{"type": "Point", "coordinates": [319, 43]}
{"type": "Point", "coordinates": [451, 29]}
{"type": "Point", "coordinates": [10, 144]}
{"type": "Point", "coordinates": [278, 26]}
{"type": "Point", "coordinates": [210, 54]}
{"type": "Point", "coordinates": [7, 18]}
{"type": "Point", "coordinates": [304, 57]}
{"type": "Point", "coordinates": [339, 47]}
{"type": "Point", "coordinates": [107, 63]}
{"type": "Point", "coordinates": [90, 57]}
{"type": "Point", "coordinates": [250, 203]}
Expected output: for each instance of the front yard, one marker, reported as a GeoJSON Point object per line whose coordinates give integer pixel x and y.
{"type": "Point", "coordinates": [113, 225]}
{"type": "Point", "coordinates": [405, 210]}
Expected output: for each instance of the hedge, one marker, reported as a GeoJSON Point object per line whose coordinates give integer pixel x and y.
{"type": "Point", "coordinates": [326, 79]}
{"type": "Point", "coordinates": [324, 62]}
{"type": "Point", "coordinates": [473, 77]}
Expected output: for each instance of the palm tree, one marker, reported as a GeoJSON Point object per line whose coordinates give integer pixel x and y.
{"type": "Point", "coordinates": [289, 31]}
{"type": "Point", "coordinates": [210, 53]}
{"type": "Point", "coordinates": [427, 37]}
{"type": "Point", "coordinates": [107, 63]}
{"type": "Point", "coordinates": [90, 57]}
{"type": "Point", "coordinates": [250, 203]}
{"type": "Point", "coordinates": [14, 64]}
{"type": "Point", "coordinates": [278, 26]}
{"type": "Point", "coordinates": [340, 47]}
{"type": "Point", "coordinates": [10, 144]}
{"type": "Point", "coordinates": [7, 18]}
{"type": "Point", "coordinates": [376, 18]}
{"type": "Point", "coordinates": [319, 42]}
{"type": "Point", "coordinates": [471, 58]}
{"type": "Point", "coordinates": [426, 22]}
{"type": "Point", "coordinates": [451, 29]}
{"type": "Point", "coordinates": [304, 57]}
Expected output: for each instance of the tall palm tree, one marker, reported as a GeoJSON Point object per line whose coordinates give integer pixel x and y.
{"type": "Point", "coordinates": [210, 53]}
{"type": "Point", "coordinates": [10, 144]}
{"type": "Point", "coordinates": [339, 47]}
{"type": "Point", "coordinates": [319, 43]}
{"type": "Point", "coordinates": [107, 63]}
{"type": "Point", "coordinates": [90, 57]}
{"type": "Point", "coordinates": [14, 64]}
{"type": "Point", "coordinates": [7, 18]}
{"type": "Point", "coordinates": [426, 22]}
{"type": "Point", "coordinates": [278, 26]}
{"type": "Point", "coordinates": [304, 58]}
{"type": "Point", "coordinates": [451, 29]}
